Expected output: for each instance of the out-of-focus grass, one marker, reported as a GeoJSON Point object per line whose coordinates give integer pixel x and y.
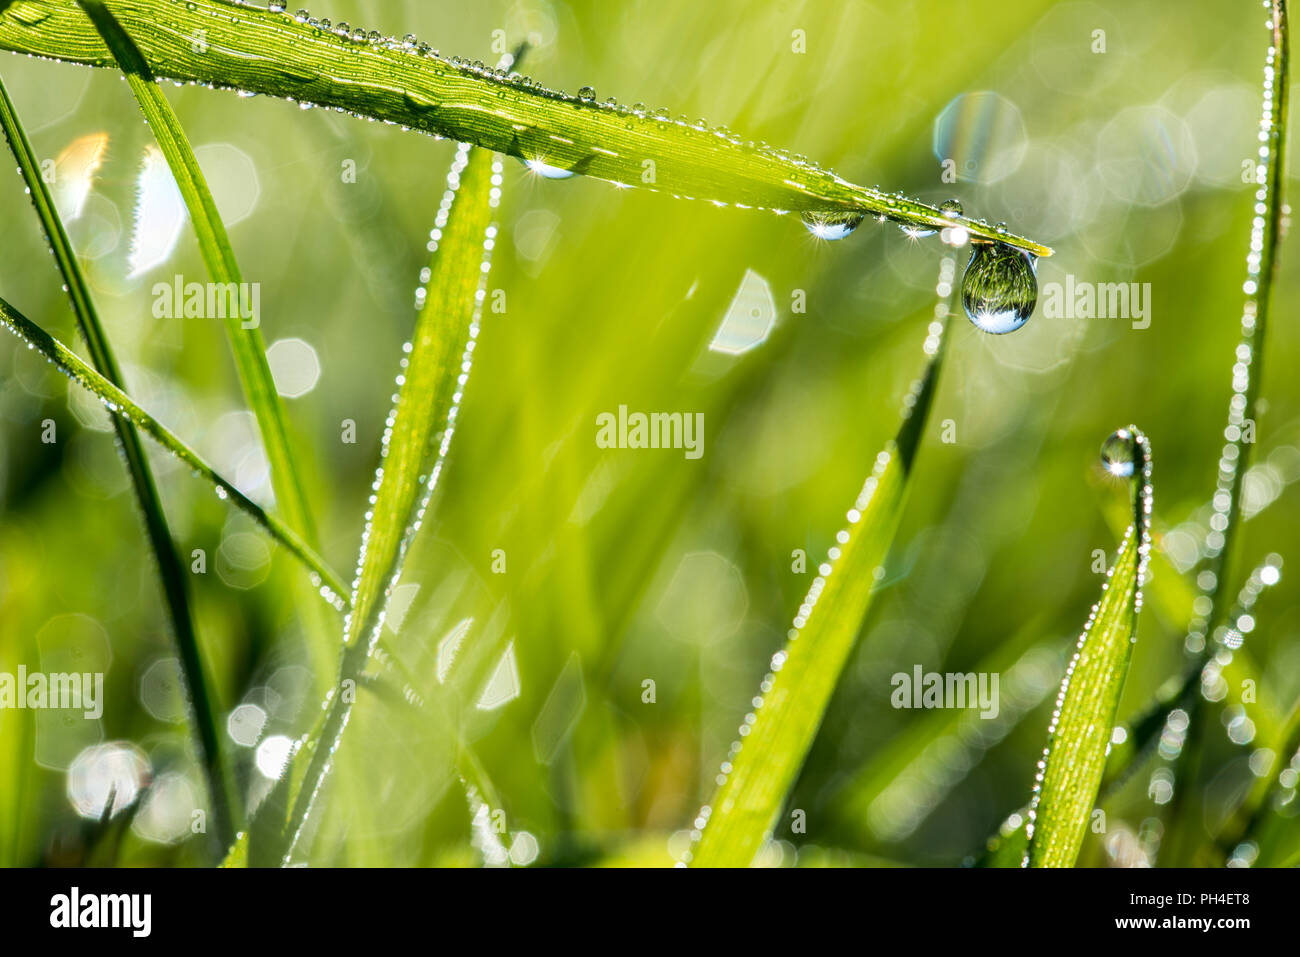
{"type": "Point", "coordinates": [646, 565]}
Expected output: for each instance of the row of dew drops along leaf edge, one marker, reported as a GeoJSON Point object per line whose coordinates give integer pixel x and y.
{"type": "Point", "coordinates": [999, 288]}
{"type": "Point", "coordinates": [429, 480]}
{"type": "Point", "coordinates": [1125, 454]}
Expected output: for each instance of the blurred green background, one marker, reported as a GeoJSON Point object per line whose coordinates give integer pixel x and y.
{"type": "Point", "coordinates": [627, 566]}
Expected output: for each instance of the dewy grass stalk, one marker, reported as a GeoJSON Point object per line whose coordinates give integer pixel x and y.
{"type": "Point", "coordinates": [435, 369]}
{"type": "Point", "coordinates": [224, 799]}
{"type": "Point", "coordinates": [120, 404]}
{"type": "Point", "coordinates": [763, 763]}
{"type": "Point", "coordinates": [245, 339]}
{"type": "Point", "coordinates": [1069, 775]}
{"type": "Point", "coordinates": [1206, 631]}
{"type": "Point", "coordinates": [276, 53]}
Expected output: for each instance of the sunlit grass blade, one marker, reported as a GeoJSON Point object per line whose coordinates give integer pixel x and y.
{"type": "Point", "coordinates": [1183, 812]}
{"type": "Point", "coordinates": [1138, 738]}
{"type": "Point", "coordinates": [434, 371]}
{"type": "Point", "coordinates": [1070, 773]}
{"type": "Point", "coordinates": [761, 767]}
{"type": "Point", "coordinates": [170, 570]}
{"type": "Point", "coordinates": [245, 337]}
{"type": "Point", "coordinates": [403, 82]}
{"type": "Point", "coordinates": [120, 404]}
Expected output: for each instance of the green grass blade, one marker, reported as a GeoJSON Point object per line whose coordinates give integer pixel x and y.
{"type": "Point", "coordinates": [1183, 813]}
{"type": "Point", "coordinates": [1070, 773]}
{"type": "Point", "coordinates": [221, 789]}
{"type": "Point", "coordinates": [775, 738]}
{"type": "Point", "coordinates": [405, 83]}
{"type": "Point", "coordinates": [434, 372]}
{"type": "Point", "coordinates": [1261, 273]}
{"type": "Point", "coordinates": [121, 404]}
{"type": "Point", "coordinates": [246, 341]}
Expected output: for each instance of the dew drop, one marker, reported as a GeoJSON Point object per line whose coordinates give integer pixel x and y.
{"type": "Point", "coordinates": [587, 93]}
{"type": "Point", "coordinates": [912, 231]}
{"type": "Point", "coordinates": [951, 208]}
{"type": "Point", "coordinates": [1117, 454]}
{"type": "Point", "coordinates": [1000, 288]}
{"type": "Point", "coordinates": [547, 170]}
{"type": "Point", "coordinates": [833, 225]}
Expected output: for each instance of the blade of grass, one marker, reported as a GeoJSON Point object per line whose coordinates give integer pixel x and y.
{"type": "Point", "coordinates": [245, 340]}
{"type": "Point", "coordinates": [1074, 760]}
{"type": "Point", "coordinates": [121, 404]}
{"type": "Point", "coordinates": [434, 372]}
{"type": "Point", "coordinates": [1183, 831]}
{"type": "Point", "coordinates": [222, 793]}
{"type": "Point", "coordinates": [756, 777]}
{"type": "Point", "coordinates": [1139, 739]}
{"type": "Point", "coordinates": [277, 54]}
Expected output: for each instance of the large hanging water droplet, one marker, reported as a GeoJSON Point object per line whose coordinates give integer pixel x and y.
{"type": "Point", "coordinates": [1117, 454]}
{"type": "Point", "coordinates": [1000, 288]}
{"type": "Point", "coordinates": [832, 225]}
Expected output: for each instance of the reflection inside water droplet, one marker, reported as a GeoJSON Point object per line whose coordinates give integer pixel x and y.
{"type": "Point", "coordinates": [1117, 454]}
{"type": "Point", "coordinates": [1000, 288]}
{"type": "Point", "coordinates": [951, 208]}
{"type": "Point", "coordinates": [832, 225]}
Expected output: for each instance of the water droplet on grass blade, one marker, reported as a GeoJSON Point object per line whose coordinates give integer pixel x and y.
{"type": "Point", "coordinates": [547, 170]}
{"type": "Point", "coordinates": [950, 208]}
{"type": "Point", "coordinates": [831, 226]}
{"type": "Point", "coordinates": [912, 231]}
{"type": "Point", "coordinates": [1117, 454]}
{"type": "Point", "coordinates": [1000, 288]}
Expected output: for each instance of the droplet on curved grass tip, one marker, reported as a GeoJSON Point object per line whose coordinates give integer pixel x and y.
{"type": "Point", "coordinates": [832, 225]}
{"type": "Point", "coordinates": [1117, 454]}
{"type": "Point", "coordinates": [547, 170]}
{"type": "Point", "coordinates": [1000, 288]}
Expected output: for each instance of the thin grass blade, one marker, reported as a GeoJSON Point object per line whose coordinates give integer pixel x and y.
{"type": "Point", "coordinates": [435, 368]}
{"type": "Point", "coordinates": [246, 341]}
{"type": "Point", "coordinates": [1184, 814]}
{"type": "Point", "coordinates": [762, 765]}
{"type": "Point", "coordinates": [121, 404]}
{"type": "Point", "coordinates": [221, 789]}
{"type": "Point", "coordinates": [1070, 773]}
